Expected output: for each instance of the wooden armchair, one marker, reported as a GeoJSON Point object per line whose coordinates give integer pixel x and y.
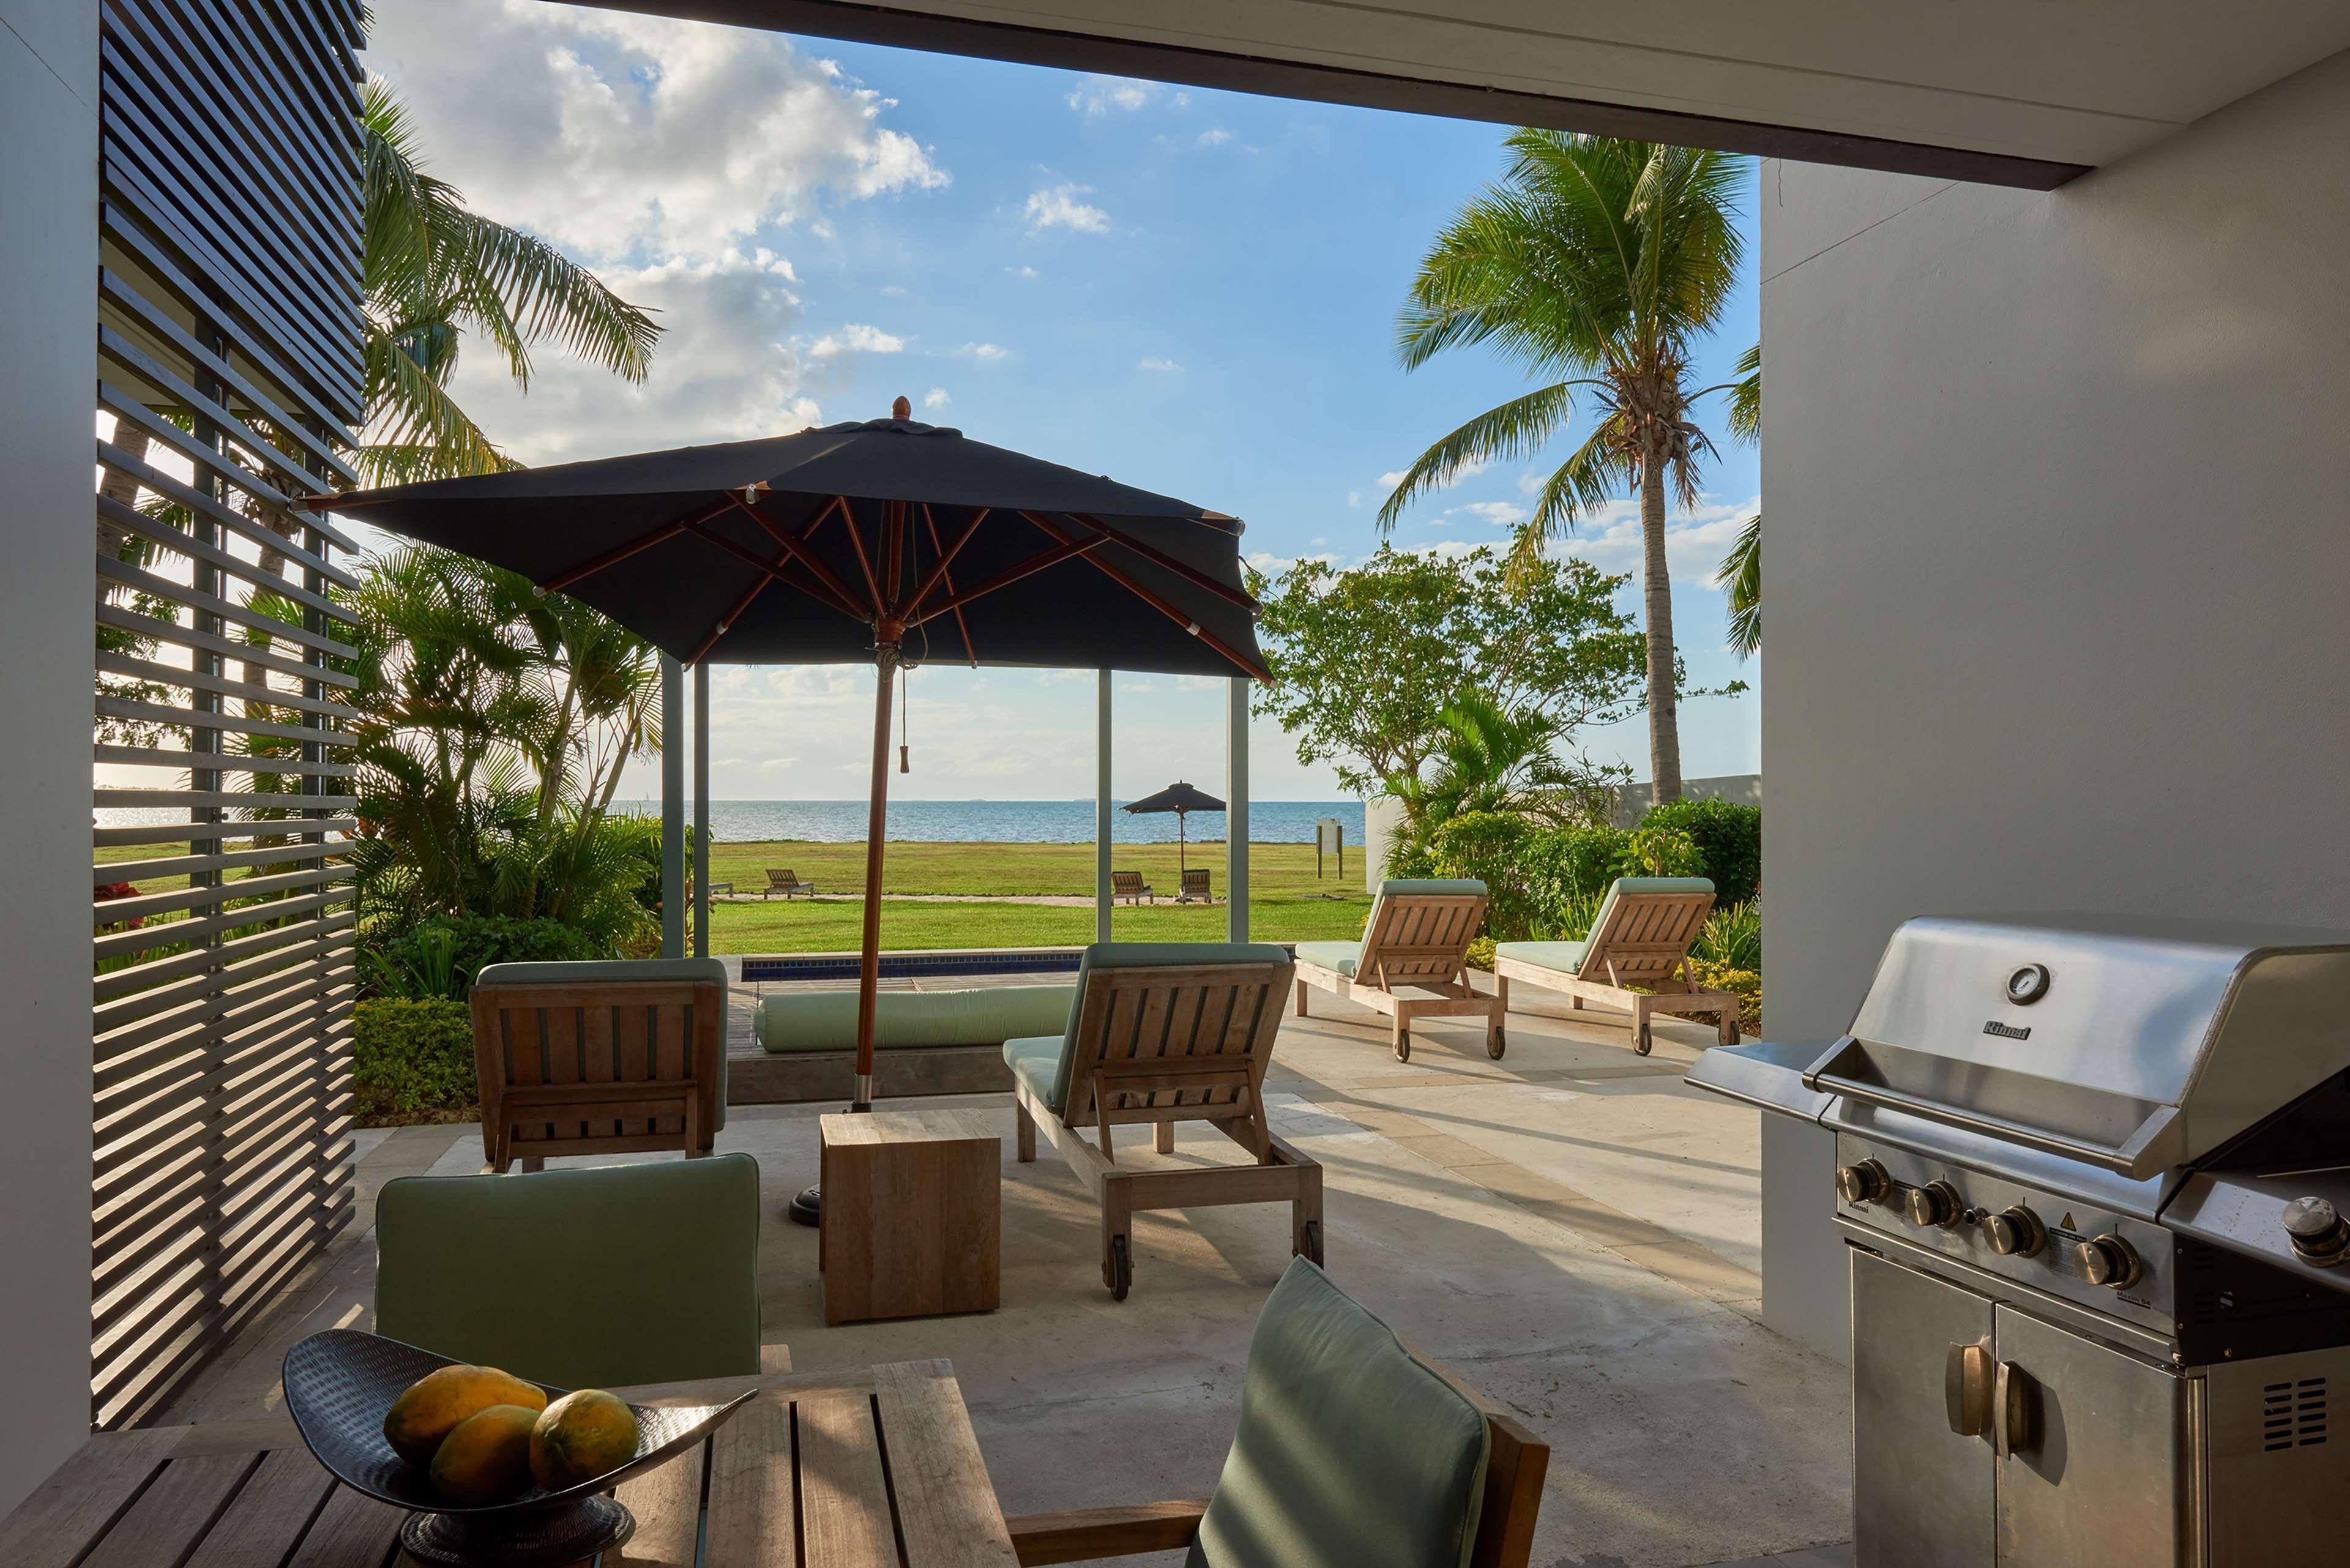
{"type": "Point", "coordinates": [605, 1057]}
{"type": "Point", "coordinates": [1130, 887]}
{"type": "Point", "coordinates": [1165, 1032]}
{"type": "Point", "coordinates": [1352, 1449]}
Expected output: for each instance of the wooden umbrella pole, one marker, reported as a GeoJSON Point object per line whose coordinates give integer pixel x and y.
{"type": "Point", "coordinates": [876, 822]}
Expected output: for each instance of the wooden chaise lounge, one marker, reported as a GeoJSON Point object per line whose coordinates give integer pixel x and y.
{"type": "Point", "coordinates": [1641, 939]}
{"type": "Point", "coordinates": [1166, 1033]}
{"type": "Point", "coordinates": [1353, 1448]}
{"type": "Point", "coordinates": [1413, 959]}
{"type": "Point", "coordinates": [787, 882]}
{"type": "Point", "coordinates": [1130, 887]}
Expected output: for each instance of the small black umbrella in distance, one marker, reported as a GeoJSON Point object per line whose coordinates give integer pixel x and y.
{"type": "Point", "coordinates": [1182, 799]}
{"type": "Point", "coordinates": [884, 541]}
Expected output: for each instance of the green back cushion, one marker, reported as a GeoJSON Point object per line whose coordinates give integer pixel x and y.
{"type": "Point", "coordinates": [790, 1021]}
{"type": "Point", "coordinates": [1145, 955]}
{"type": "Point", "coordinates": [1595, 959]}
{"type": "Point", "coordinates": [585, 1278]}
{"type": "Point", "coordinates": [1350, 1452]}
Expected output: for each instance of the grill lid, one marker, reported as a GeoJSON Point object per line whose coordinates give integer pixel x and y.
{"type": "Point", "coordinates": [2133, 1045]}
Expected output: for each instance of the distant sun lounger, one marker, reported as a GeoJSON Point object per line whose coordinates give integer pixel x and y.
{"type": "Point", "coordinates": [787, 883]}
{"type": "Point", "coordinates": [1130, 887]}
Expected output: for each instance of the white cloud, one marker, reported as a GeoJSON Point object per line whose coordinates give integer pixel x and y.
{"type": "Point", "coordinates": [1500, 514]}
{"type": "Point", "coordinates": [856, 337]}
{"type": "Point", "coordinates": [894, 290]}
{"type": "Point", "coordinates": [1149, 362]}
{"type": "Point", "coordinates": [635, 138]}
{"type": "Point", "coordinates": [936, 398]}
{"type": "Point", "coordinates": [1695, 541]}
{"type": "Point", "coordinates": [1214, 136]}
{"type": "Point", "coordinates": [985, 353]}
{"type": "Point", "coordinates": [1058, 207]}
{"type": "Point", "coordinates": [1531, 482]}
{"type": "Point", "coordinates": [1097, 96]}
{"type": "Point", "coordinates": [1025, 274]}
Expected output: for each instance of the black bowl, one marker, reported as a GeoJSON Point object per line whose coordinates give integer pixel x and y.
{"type": "Point", "coordinates": [340, 1383]}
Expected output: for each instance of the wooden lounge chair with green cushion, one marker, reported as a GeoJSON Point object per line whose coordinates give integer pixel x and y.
{"type": "Point", "coordinates": [1640, 938]}
{"type": "Point", "coordinates": [1165, 1032]}
{"type": "Point", "coordinates": [1353, 1449]}
{"type": "Point", "coordinates": [1417, 938]}
{"type": "Point", "coordinates": [587, 1279]}
{"type": "Point", "coordinates": [787, 882]}
{"type": "Point", "coordinates": [1130, 887]}
{"type": "Point", "coordinates": [609, 1057]}
{"type": "Point", "coordinates": [1195, 888]}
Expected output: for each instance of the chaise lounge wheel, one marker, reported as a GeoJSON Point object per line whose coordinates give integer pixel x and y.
{"type": "Point", "coordinates": [1121, 1267]}
{"type": "Point", "coordinates": [1642, 1041]}
{"type": "Point", "coordinates": [1403, 1047]}
{"type": "Point", "coordinates": [1497, 1043]}
{"type": "Point", "coordinates": [1312, 1250]}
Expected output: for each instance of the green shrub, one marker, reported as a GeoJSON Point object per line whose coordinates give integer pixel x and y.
{"type": "Point", "coordinates": [439, 957]}
{"type": "Point", "coordinates": [411, 1057]}
{"type": "Point", "coordinates": [1728, 840]}
{"type": "Point", "coordinates": [1480, 953]}
{"type": "Point", "coordinates": [1660, 852]}
{"type": "Point", "coordinates": [1561, 865]}
{"type": "Point", "coordinates": [1485, 844]}
{"type": "Point", "coordinates": [1731, 937]}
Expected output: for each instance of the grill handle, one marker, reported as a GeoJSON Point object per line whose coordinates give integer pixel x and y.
{"type": "Point", "coordinates": [2154, 1146]}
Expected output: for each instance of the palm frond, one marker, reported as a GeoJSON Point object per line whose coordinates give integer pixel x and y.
{"type": "Point", "coordinates": [1741, 577]}
{"type": "Point", "coordinates": [1517, 429]}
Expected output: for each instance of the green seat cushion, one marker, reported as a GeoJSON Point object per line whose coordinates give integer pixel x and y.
{"type": "Point", "coordinates": [604, 972]}
{"type": "Point", "coordinates": [590, 1278]}
{"type": "Point", "coordinates": [1035, 1061]}
{"type": "Point", "coordinates": [1340, 956]}
{"type": "Point", "coordinates": [792, 1021]}
{"type": "Point", "coordinates": [1148, 955]}
{"type": "Point", "coordinates": [1564, 957]}
{"type": "Point", "coordinates": [1350, 1451]}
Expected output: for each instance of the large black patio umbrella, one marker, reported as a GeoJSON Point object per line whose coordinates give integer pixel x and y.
{"type": "Point", "coordinates": [887, 542]}
{"type": "Point", "coordinates": [1182, 799]}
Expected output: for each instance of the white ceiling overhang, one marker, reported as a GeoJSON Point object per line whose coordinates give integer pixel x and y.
{"type": "Point", "coordinates": [2015, 92]}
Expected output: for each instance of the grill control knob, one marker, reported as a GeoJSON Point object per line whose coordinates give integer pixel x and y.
{"type": "Point", "coordinates": [2317, 1233]}
{"type": "Point", "coordinates": [2108, 1260]}
{"type": "Point", "coordinates": [2016, 1232]}
{"type": "Point", "coordinates": [1935, 1204]}
{"type": "Point", "coordinates": [1866, 1182]}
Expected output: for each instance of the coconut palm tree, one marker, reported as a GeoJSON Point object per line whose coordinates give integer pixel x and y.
{"type": "Point", "coordinates": [1741, 575]}
{"type": "Point", "coordinates": [1596, 262]}
{"type": "Point", "coordinates": [434, 270]}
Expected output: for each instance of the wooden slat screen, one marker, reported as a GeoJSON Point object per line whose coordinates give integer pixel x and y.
{"type": "Point", "coordinates": [228, 382]}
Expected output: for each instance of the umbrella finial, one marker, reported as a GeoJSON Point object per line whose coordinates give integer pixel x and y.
{"type": "Point", "coordinates": [901, 410]}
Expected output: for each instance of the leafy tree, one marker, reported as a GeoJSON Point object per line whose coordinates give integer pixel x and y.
{"type": "Point", "coordinates": [434, 270]}
{"type": "Point", "coordinates": [1596, 262]}
{"type": "Point", "coordinates": [1366, 660]}
{"type": "Point", "coordinates": [1740, 576]}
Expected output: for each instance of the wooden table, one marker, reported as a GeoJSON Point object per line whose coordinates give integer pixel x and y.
{"type": "Point", "coordinates": [913, 1214]}
{"type": "Point", "coordinates": [797, 1477]}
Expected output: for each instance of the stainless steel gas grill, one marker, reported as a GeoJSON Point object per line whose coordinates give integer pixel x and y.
{"type": "Point", "coordinates": [2091, 1174]}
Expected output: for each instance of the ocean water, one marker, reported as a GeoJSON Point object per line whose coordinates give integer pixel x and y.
{"type": "Point", "coordinates": [1003, 821]}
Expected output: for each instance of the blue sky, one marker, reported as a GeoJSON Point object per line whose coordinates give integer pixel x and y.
{"type": "Point", "coordinates": [1192, 291]}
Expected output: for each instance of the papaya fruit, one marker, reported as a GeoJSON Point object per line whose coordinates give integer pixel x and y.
{"type": "Point", "coordinates": [429, 1409]}
{"type": "Point", "coordinates": [485, 1458]}
{"type": "Point", "coordinates": [580, 1437]}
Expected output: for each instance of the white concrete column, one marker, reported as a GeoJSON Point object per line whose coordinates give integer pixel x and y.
{"type": "Point", "coordinates": [1102, 819]}
{"type": "Point", "coordinates": [48, 335]}
{"type": "Point", "coordinates": [672, 808]}
{"type": "Point", "coordinates": [1236, 815]}
{"type": "Point", "coordinates": [702, 811]}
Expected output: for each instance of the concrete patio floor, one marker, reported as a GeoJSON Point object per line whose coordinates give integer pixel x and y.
{"type": "Point", "coordinates": [1572, 1229]}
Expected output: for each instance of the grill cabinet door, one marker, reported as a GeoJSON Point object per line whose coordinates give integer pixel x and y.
{"type": "Point", "coordinates": [1921, 1492]}
{"type": "Point", "coordinates": [2097, 1463]}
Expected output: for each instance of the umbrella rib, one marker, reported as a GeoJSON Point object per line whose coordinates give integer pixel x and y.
{"type": "Point", "coordinates": [962, 625]}
{"type": "Point", "coordinates": [622, 551]}
{"type": "Point", "coordinates": [1221, 591]}
{"type": "Point", "coordinates": [1242, 661]}
{"type": "Point", "coordinates": [726, 622]}
{"type": "Point", "coordinates": [798, 551]}
{"type": "Point", "coordinates": [1010, 575]}
{"type": "Point", "coordinates": [709, 538]}
{"type": "Point", "coordinates": [864, 563]}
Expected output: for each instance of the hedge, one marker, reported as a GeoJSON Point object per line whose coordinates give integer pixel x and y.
{"type": "Point", "coordinates": [412, 1058]}
{"type": "Point", "coordinates": [1728, 840]}
{"type": "Point", "coordinates": [439, 957]}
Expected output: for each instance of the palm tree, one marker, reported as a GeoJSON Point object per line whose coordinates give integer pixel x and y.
{"type": "Point", "coordinates": [1740, 576]}
{"type": "Point", "coordinates": [1487, 759]}
{"type": "Point", "coordinates": [1596, 262]}
{"type": "Point", "coordinates": [435, 270]}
